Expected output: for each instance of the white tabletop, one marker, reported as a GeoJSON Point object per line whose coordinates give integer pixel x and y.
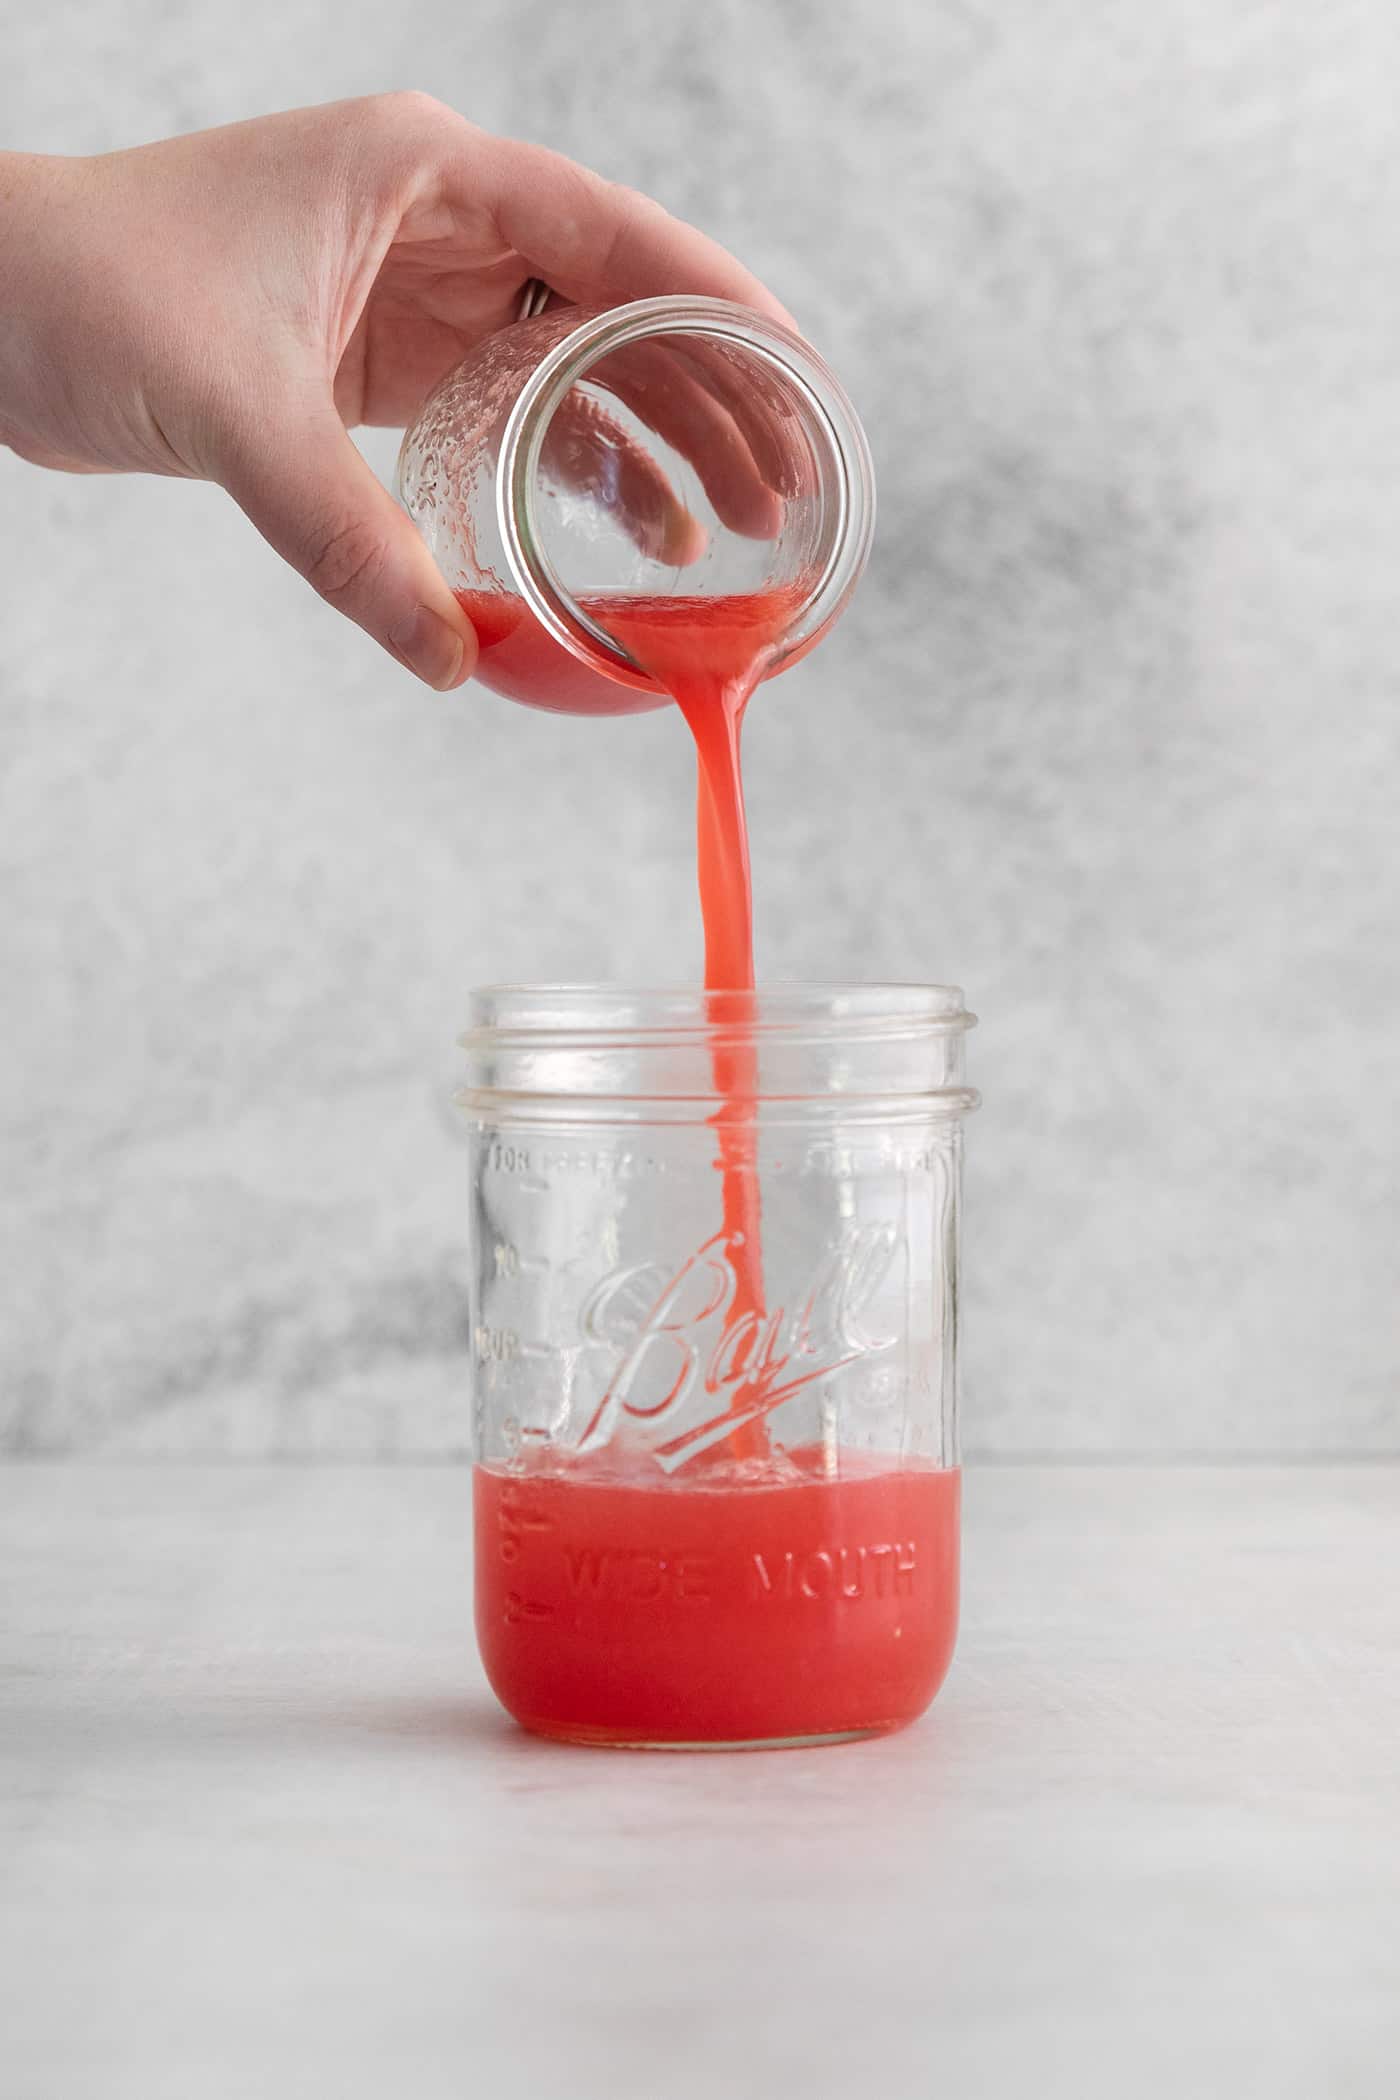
{"type": "Point", "coordinates": [263, 1832]}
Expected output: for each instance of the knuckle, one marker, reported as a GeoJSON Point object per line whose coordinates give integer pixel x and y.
{"type": "Point", "coordinates": [629, 210]}
{"type": "Point", "coordinates": [630, 199]}
{"type": "Point", "coordinates": [635, 206]}
{"type": "Point", "coordinates": [344, 561]}
{"type": "Point", "coordinates": [405, 110]}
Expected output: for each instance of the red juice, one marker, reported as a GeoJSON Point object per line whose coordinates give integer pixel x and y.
{"type": "Point", "coordinates": [709, 654]}
{"type": "Point", "coordinates": [613, 1608]}
{"type": "Point", "coordinates": [521, 660]}
{"type": "Point", "coordinates": [759, 1596]}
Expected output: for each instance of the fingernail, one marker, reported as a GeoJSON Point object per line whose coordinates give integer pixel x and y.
{"type": "Point", "coordinates": [683, 538]}
{"type": "Point", "coordinates": [429, 647]}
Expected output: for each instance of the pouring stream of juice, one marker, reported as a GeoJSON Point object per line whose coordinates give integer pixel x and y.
{"type": "Point", "coordinates": [709, 654]}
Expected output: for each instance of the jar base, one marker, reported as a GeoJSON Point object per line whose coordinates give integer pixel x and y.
{"type": "Point", "coordinates": [581, 1737]}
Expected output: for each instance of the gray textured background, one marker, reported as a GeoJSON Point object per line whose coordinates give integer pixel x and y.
{"type": "Point", "coordinates": [1111, 736]}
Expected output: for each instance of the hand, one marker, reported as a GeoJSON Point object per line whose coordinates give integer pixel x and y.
{"type": "Point", "coordinates": [225, 306]}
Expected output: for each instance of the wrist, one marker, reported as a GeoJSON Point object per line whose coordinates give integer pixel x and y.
{"type": "Point", "coordinates": [37, 193]}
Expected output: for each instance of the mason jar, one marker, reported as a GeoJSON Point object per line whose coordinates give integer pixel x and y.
{"type": "Point", "coordinates": [714, 1307]}
{"type": "Point", "coordinates": [584, 461]}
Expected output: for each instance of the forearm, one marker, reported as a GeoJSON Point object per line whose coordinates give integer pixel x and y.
{"type": "Point", "coordinates": [79, 328]}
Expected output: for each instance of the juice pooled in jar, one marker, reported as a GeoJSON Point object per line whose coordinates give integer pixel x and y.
{"type": "Point", "coordinates": [728, 1608]}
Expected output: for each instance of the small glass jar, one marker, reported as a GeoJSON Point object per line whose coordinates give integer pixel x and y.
{"type": "Point", "coordinates": [714, 1305]}
{"type": "Point", "coordinates": [677, 448]}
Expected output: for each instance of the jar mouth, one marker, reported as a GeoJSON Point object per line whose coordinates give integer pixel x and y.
{"type": "Point", "coordinates": [597, 336]}
{"type": "Point", "coordinates": [564, 1054]}
{"type": "Point", "coordinates": [595, 1013]}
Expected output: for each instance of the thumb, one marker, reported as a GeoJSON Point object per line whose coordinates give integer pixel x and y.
{"type": "Point", "coordinates": [314, 498]}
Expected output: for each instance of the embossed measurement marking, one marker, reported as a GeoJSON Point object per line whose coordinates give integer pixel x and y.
{"type": "Point", "coordinates": [496, 1345]}
{"type": "Point", "coordinates": [509, 1261]}
{"type": "Point", "coordinates": [520, 1608]}
{"type": "Point", "coordinates": [517, 1515]}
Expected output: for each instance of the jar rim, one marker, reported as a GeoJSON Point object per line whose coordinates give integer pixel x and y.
{"type": "Point", "coordinates": [592, 1014]}
{"type": "Point", "coordinates": [567, 1055]}
{"type": "Point", "coordinates": [603, 330]}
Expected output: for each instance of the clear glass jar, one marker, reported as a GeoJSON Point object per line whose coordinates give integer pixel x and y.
{"type": "Point", "coordinates": [675, 448]}
{"type": "Point", "coordinates": [714, 1310]}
